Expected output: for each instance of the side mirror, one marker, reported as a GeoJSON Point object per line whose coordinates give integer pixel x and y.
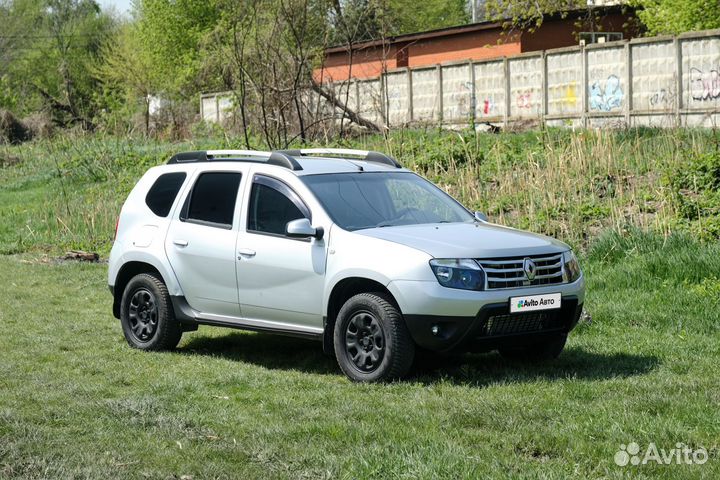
{"type": "Point", "coordinates": [481, 217]}
{"type": "Point", "coordinates": [301, 228]}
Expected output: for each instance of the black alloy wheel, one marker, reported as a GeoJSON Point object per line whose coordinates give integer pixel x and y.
{"type": "Point", "coordinates": [365, 341]}
{"type": "Point", "coordinates": [146, 314]}
{"type": "Point", "coordinates": [143, 315]}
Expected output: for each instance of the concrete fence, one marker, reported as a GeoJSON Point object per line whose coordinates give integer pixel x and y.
{"type": "Point", "coordinates": [659, 81]}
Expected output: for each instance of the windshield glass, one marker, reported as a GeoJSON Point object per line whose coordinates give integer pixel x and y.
{"type": "Point", "coordinates": [379, 199]}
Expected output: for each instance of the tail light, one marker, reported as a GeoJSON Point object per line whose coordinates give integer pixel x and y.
{"type": "Point", "coordinates": [117, 225]}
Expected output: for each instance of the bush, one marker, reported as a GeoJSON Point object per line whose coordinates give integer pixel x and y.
{"type": "Point", "coordinates": [12, 130]}
{"type": "Point", "coordinates": [696, 185]}
{"type": "Point", "coordinates": [39, 124]}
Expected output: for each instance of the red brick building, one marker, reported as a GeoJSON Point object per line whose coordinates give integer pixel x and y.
{"type": "Point", "coordinates": [478, 41]}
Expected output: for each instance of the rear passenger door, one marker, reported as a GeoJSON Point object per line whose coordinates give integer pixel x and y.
{"type": "Point", "coordinates": [200, 243]}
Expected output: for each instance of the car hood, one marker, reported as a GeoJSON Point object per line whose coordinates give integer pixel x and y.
{"type": "Point", "coordinates": [467, 240]}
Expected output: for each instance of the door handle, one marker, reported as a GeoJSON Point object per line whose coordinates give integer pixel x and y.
{"type": "Point", "coordinates": [245, 252]}
{"type": "Point", "coordinates": [181, 243]}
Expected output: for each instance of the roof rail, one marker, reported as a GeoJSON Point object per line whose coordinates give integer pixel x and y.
{"type": "Point", "coordinates": [272, 158]}
{"type": "Point", "coordinates": [365, 155]}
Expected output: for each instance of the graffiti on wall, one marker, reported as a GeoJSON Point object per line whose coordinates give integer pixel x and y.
{"type": "Point", "coordinates": [524, 100]}
{"type": "Point", "coordinates": [488, 106]}
{"type": "Point", "coordinates": [570, 95]}
{"type": "Point", "coordinates": [662, 98]}
{"type": "Point", "coordinates": [607, 95]}
{"type": "Point", "coordinates": [704, 85]}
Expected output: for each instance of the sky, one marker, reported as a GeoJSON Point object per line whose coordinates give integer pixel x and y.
{"type": "Point", "coordinates": [122, 6]}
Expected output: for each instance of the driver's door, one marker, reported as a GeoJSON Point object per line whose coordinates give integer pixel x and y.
{"type": "Point", "coordinates": [280, 279]}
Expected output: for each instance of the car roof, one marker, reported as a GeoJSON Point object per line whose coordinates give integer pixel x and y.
{"type": "Point", "coordinates": [299, 162]}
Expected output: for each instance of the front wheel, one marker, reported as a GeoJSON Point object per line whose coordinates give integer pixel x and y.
{"type": "Point", "coordinates": [548, 349]}
{"type": "Point", "coordinates": [371, 341]}
{"type": "Point", "coordinates": [146, 314]}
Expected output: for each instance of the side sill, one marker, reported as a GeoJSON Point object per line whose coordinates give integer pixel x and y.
{"type": "Point", "coordinates": [185, 314]}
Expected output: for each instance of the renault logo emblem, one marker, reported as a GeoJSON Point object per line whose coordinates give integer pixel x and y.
{"type": "Point", "coordinates": [529, 268]}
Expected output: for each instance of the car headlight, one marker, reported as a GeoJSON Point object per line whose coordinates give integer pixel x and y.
{"type": "Point", "coordinates": [571, 267]}
{"type": "Point", "coordinates": [462, 273]}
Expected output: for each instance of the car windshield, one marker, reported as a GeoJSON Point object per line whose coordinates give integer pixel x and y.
{"type": "Point", "coordinates": [380, 199]}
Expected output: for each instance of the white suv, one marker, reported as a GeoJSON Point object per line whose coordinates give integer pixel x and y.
{"type": "Point", "coordinates": [343, 246]}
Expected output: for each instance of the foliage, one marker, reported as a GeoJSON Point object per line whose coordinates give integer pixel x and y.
{"type": "Point", "coordinates": [571, 185]}
{"type": "Point", "coordinates": [130, 69]}
{"type": "Point", "coordinates": [371, 19]}
{"type": "Point", "coordinates": [409, 16]}
{"type": "Point", "coordinates": [678, 16]}
{"type": "Point", "coordinates": [695, 187]}
{"type": "Point", "coordinates": [171, 35]}
{"type": "Point", "coordinates": [51, 59]}
{"type": "Point", "coordinates": [529, 14]}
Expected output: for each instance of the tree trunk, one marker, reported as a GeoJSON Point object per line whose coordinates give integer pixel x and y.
{"type": "Point", "coordinates": [347, 112]}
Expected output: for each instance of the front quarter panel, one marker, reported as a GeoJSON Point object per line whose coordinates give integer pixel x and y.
{"type": "Point", "coordinates": [353, 255]}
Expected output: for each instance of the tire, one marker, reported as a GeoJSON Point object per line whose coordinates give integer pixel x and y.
{"type": "Point", "coordinates": [549, 349]}
{"type": "Point", "coordinates": [372, 343]}
{"type": "Point", "coordinates": [146, 314]}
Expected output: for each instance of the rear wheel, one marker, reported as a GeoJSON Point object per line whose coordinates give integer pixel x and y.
{"type": "Point", "coordinates": [371, 340]}
{"type": "Point", "coordinates": [146, 314]}
{"type": "Point", "coordinates": [549, 349]}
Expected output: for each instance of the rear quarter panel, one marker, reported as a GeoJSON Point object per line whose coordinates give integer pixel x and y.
{"type": "Point", "coordinates": [141, 233]}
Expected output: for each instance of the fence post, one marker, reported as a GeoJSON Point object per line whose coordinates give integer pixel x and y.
{"type": "Point", "coordinates": [628, 82]}
{"type": "Point", "coordinates": [543, 88]}
{"type": "Point", "coordinates": [678, 103]}
{"type": "Point", "coordinates": [411, 114]}
{"type": "Point", "coordinates": [584, 89]}
{"type": "Point", "coordinates": [385, 100]}
{"type": "Point", "coordinates": [439, 94]}
{"type": "Point", "coordinates": [506, 74]}
{"type": "Point", "coordinates": [473, 96]}
{"type": "Point", "coordinates": [356, 83]}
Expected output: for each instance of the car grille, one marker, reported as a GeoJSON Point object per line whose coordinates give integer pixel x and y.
{"type": "Point", "coordinates": [509, 273]}
{"type": "Point", "coordinates": [499, 325]}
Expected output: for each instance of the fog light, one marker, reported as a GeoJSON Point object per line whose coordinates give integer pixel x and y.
{"type": "Point", "coordinates": [435, 329]}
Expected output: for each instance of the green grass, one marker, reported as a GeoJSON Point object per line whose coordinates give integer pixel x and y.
{"type": "Point", "coordinates": [77, 402]}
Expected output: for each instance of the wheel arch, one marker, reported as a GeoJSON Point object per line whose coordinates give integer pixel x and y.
{"type": "Point", "coordinates": [125, 274]}
{"type": "Point", "coordinates": [343, 290]}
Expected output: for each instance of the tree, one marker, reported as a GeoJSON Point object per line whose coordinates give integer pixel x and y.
{"type": "Point", "coordinates": [677, 16]}
{"type": "Point", "coordinates": [410, 16]}
{"type": "Point", "coordinates": [529, 14]}
{"type": "Point", "coordinates": [51, 55]}
{"type": "Point", "coordinates": [129, 68]}
{"type": "Point", "coordinates": [172, 33]}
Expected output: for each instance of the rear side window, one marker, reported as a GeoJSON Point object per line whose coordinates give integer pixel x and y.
{"type": "Point", "coordinates": [212, 199]}
{"type": "Point", "coordinates": [162, 194]}
{"type": "Point", "coordinates": [272, 205]}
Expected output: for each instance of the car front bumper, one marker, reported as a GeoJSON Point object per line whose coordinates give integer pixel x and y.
{"type": "Point", "coordinates": [446, 319]}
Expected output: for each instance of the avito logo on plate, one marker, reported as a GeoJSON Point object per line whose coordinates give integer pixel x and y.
{"type": "Point", "coordinates": [535, 302]}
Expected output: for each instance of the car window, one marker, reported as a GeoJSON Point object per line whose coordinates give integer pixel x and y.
{"type": "Point", "coordinates": [272, 205]}
{"type": "Point", "coordinates": [161, 195]}
{"type": "Point", "coordinates": [369, 200]}
{"type": "Point", "coordinates": [212, 199]}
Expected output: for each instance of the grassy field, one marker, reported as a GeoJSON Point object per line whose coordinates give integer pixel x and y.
{"type": "Point", "coordinates": [78, 403]}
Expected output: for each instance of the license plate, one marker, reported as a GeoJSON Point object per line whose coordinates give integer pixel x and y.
{"type": "Point", "coordinates": [533, 303]}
